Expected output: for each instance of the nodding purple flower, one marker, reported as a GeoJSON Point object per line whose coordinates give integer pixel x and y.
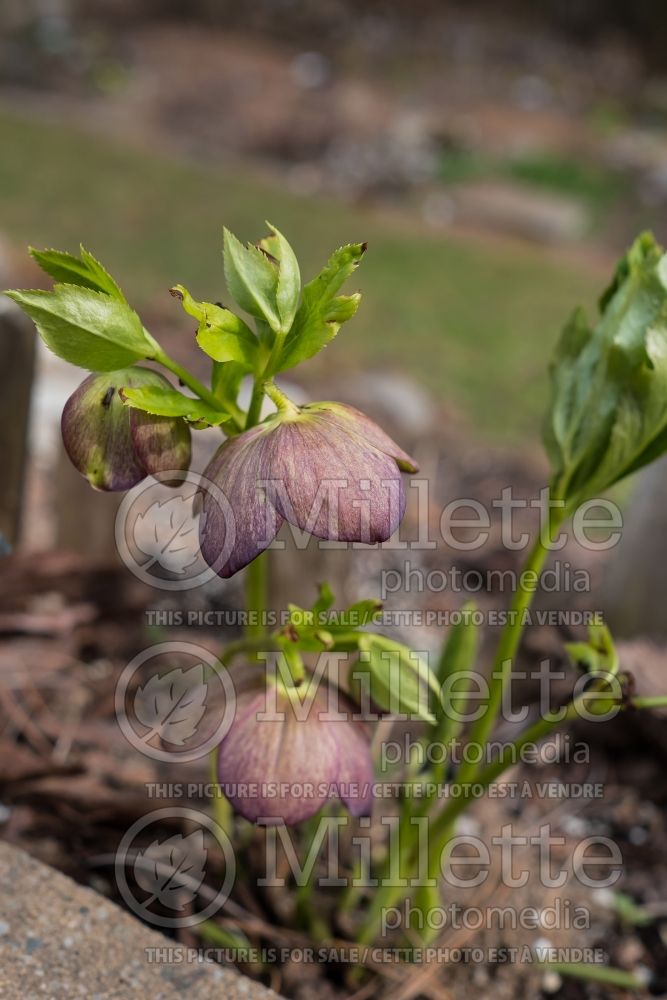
{"type": "Point", "coordinates": [326, 468]}
{"type": "Point", "coordinates": [285, 756]}
{"type": "Point", "coordinates": [116, 446]}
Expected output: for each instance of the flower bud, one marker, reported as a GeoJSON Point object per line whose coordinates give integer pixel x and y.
{"type": "Point", "coordinates": [116, 446]}
{"type": "Point", "coordinates": [326, 468]}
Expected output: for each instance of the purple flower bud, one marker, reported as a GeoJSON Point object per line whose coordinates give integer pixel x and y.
{"type": "Point", "coordinates": [326, 468]}
{"type": "Point", "coordinates": [286, 755]}
{"type": "Point", "coordinates": [116, 446]}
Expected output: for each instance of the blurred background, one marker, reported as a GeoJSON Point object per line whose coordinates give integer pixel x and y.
{"type": "Point", "coordinates": [497, 158]}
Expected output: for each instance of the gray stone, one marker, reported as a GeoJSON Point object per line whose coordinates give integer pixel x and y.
{"type": "Point", "coordinates": [60, 940]}
{"type": "Point", "coordinates": [512, 208]}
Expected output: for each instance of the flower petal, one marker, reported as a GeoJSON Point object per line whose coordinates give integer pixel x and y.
{"type": "Point", "coordinates": [275, 770]}
{"type": "Point", "coordinates": [354, 420]}
{"type": "Point", "coordinates": [238, 521]}
{"type": "Point", "coordinates": [330, 483]}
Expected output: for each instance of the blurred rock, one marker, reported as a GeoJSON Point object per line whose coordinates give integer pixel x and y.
{"type": "Point", "coordinates": [398, 403]}
{"type": "Point", "coordinates": [547, 218]}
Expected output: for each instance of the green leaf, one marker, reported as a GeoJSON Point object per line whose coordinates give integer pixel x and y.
{"type": "Point", "coordinates": [226, 379]}
{"type": "Point", "coordinates": [289, 278]}
{"type": "Point", "coordinates": [221, 334]}
{"type": "Point", "coordinates": [85, 327]}
{"type": "Point", "coordinates": [171, 403]}
{"type": "Point", "coordinates": [252, 280]}
{"type": "Point", "coordinates": [608, 411]}
{"type": "Point", "coordinates": [322, 311]}
{"type": "Point", "coordinates": [460, 647]}
{"type": "Point", "coordinates": [598, 654]}
{"type": "Point", "coordinates": [395, 677]}
{"type": "Point", "coordinates": [324, 601]}
{"type": "Point", "coordinates": [84, 271]}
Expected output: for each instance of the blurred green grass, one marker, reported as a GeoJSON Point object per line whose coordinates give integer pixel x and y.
{"type": "Point", "coordinates": [474, 320]}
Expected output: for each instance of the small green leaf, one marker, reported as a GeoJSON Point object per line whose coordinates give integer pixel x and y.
{"type": "Point", "coordinates": [396, 679]}
{"type": "Point", "coordinates": [289, 278]}
{"type": "Point", "coordinates": [460, 646]}
{"type": "Point", "coordinates": [171, 403]}
{"type": "Point", "coordinates": [221, 334]}
{"type": "Point", "coordinates": [598, 654]}
{"type": "Point", "coordinates": [456, 663]}
{"type": "Point", "coordinates": [84, 271]}
{"type": "Point", "coordinates": [252, 280]}
{"type": "Point", "coordinates": [324, 601]}
{"type": "Point", "coordinates": [322, 311]}
{"type": "Point", "coordinates": [85, 327]}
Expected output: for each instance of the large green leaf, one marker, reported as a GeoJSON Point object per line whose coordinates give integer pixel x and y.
{"type": "Point", "coordinates": [322, 310]}
{"type": "Point", "coordinates": [608, 410]}
{"type": "Point", "coordinates": [86, 327]}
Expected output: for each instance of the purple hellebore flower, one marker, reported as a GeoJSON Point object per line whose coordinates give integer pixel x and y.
{"type": "Point", "coordinates": [284, 759]}
{"type": "Point", "coordinates": [326, 468]}
{"type": "Point", "coordinates": [116, 446]}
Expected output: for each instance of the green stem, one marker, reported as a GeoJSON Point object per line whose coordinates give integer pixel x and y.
{"type": "Point", "coordinates": [198, 388]}
{"type": "Point", "coordinates": [283, 403]}
{"type": "Point", "coordinates": [256, 400]}
{"type": "Point", "coordinates": [222, 810]}
{"type": "Point", "coordinates": [596, 974]}
{"type": "Point", "coordinates": [510, 638]}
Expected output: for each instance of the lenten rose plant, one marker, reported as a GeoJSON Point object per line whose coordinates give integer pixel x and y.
{"type": "Point", "coordinates": [329, 470]}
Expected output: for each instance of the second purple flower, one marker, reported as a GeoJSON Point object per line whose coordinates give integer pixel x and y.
{"type": "Point", "coordinates": [326, 468]}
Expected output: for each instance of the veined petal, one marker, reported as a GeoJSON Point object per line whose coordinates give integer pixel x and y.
{"type": "Point", "coordinates": [353, 420]}
{"type": "Point", "coordinates": [330, 483]}
{"type": "Point", "coordinates": [233, 532]}
{"type": "Point", "coordinates": [276, 770]}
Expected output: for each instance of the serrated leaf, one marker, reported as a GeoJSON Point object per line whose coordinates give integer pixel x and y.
{"type": "Point", "coordinates": [322, 311]}
{"type": "Point", "coordinates": [220, 334]}
{"type": "Point", "coordinates": [252, 280]}
{"type": "Point", "coordinates": [172, 871]}
{"type": "Point", "coordinates": [168, 533]}
{"type": "Point", "coordinates": [86, 327]}
{"type": "Point", "coordinates": [171, 705]}
{"type": "Point", "coordinates": [608, 411]}
{"type": "Point", "coordinates": [85, 270]}
{"type": "Point", "coordinates": [289, 277]}
{"type": "Point", "coordinates": [172, 403]}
